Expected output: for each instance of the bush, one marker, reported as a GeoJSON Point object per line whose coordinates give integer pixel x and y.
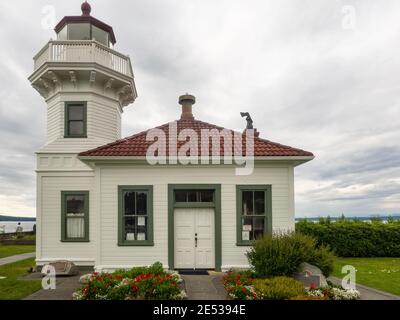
{"type": "Point", "coordinates": [350, 238]}
{"type": "Point", "coordinates": [144, 283]}
{"type": "Point", "coordinates": [323, 258]}
{"type": "Point", "coordinates": [281, 255]}
{"type": "Point", "coordinates": [278, 288]}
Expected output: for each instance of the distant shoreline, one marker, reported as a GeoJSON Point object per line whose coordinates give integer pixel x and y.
{"type": "Point", "coordinates": [16, 219]}
{"type": "Point", "coordinates": [361, 218]}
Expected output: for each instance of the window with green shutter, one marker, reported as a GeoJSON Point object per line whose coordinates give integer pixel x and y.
{"type": "Point", "coordinates": [75, 120]}
{"type": "Point", "coordinates": [135, 214]}
{"type": "Point", "coordinates": [254, 213]}
{"type": "Point", "coordinates": [75, 216]}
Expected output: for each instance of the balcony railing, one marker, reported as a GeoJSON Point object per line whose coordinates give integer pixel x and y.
{"type": "Point", "coordinates": [83, 51]}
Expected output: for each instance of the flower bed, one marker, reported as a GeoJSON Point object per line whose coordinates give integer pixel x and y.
{"type": "Point", "coordinates": [334, 293]}
{"type": "Point", "coordinates": [239, 285]}
{"type": "Point", "coordinates": [147, 283]}
{"type": "Point", "coordinates": [242, 285]}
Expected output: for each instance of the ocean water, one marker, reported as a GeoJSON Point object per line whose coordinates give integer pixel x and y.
{"type": "Point", "coordinates": [11, 226]}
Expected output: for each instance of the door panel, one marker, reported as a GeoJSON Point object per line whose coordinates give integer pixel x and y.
{"type": "Point", "coordinates": [204, 227]}
{"type": "Point", "coordinates": [184, 240]}
{"type": "Point", "coordinates": [192, 223]}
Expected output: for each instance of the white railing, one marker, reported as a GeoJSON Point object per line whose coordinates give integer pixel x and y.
{"type": "Point", "coordinates": [83, 51]}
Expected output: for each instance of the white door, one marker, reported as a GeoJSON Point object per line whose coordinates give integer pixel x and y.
{"type": "Point", "coordinates": [194, 238]}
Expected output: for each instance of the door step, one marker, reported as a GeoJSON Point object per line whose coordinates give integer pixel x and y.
{"type": "Point", "coordinates": [193, 272]}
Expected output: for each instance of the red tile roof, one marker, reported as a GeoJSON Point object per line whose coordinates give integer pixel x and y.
{"type": "Point", "coordinates": [137, 145]}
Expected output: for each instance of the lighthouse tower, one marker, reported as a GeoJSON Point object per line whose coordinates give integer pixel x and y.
{"type": "Point", "coordinates": [86, 84]}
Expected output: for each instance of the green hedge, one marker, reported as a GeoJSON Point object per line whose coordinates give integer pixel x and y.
{"type": "Point", "coordinates": [355, 238]}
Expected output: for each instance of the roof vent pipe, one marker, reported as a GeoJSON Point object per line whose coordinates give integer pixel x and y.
{"type": "Point", "coordinates": [187, 101]}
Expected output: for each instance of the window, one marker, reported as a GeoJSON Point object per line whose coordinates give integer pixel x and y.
{"type": "Point", "coordinates": [135, 215]}
{"type": "Point", "coordinates": [253, 213]}
{"type": "Point", "coordinates": [75, 216]}
{"type": "Point", "coordinates": [63, 34]}
{"type": "Point", "coordinates": [79, 31]}
{"type": "Point", "coordinates": [75, 120]}
{"type": "Point", "coordinates": [194, 196]}
{"type": "Point", "coordinates": [100, 35]}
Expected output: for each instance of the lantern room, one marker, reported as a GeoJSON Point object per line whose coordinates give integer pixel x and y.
{"type": "Point", "coordinates": [85, 27]}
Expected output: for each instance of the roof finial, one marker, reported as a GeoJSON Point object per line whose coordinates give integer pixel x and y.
{"type": "Point", "coordinates": [86, 8]}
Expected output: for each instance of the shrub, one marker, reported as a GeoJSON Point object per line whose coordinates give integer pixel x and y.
{"type": "Point", "coordinates": [323, 258]}
{"type": "Point", "coordinates": [350, 238]}
{"type": "Point", "coordinates": [278, 288]}
{"type": "Point", "coordinates": [281, 254]}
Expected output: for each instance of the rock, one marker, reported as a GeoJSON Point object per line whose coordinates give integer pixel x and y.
{"type": "Point", "coordinates": [310, 275]}
{"type": "Point", "coordinates": [62, 268]}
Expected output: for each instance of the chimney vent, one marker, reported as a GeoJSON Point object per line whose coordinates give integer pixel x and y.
{"type": "Point", "coordinates": [187, 101]}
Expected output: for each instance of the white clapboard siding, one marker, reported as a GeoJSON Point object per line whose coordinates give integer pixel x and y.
{"type": "Point", "coordinates": [49, 218]}
{"type": "Point", "coordinates": [113, 255]}
{"type": "Point", "coordinates": [54, 125]}
{"type": "Point", "coordinates": [103, 123]}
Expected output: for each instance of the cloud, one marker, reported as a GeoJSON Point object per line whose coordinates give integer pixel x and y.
{"type": "Point", "coordinates": [307, 82]}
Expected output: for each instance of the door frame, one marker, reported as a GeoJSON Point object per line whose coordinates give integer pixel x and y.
{"type": "Point", "coordinates": [217, 218]}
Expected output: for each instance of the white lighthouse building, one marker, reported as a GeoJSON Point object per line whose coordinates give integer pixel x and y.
{"type": "Point", "coordinates": [101, 204]}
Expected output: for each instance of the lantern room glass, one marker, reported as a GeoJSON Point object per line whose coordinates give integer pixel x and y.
{"type": "Point", "coordinates": [84, 31]}
{"type": "Point", "coordinates": [79, 31]}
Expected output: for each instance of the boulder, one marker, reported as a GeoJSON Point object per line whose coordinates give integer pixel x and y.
{"type": "Point", "coordinates": [63, 268]}
{"type": "Point", "coordinates": [310, 275]}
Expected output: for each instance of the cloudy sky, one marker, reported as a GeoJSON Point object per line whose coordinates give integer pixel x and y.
{"type": "Point", "coordinates": [319, 75]}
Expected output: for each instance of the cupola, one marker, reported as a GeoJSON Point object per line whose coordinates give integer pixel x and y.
{"type": "Point", "coordinates": [85, 27]}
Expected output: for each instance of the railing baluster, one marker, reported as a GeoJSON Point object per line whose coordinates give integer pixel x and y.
{"type": "Point", "coordinates": [82, 51]}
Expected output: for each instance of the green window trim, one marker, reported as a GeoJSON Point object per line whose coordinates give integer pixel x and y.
{"type": "Point", "coordinates": [172, 204]}
{"type": "Point", "coordinates": [121, 241]}
{"type": "Point", "coordinates": [64, 237]}
{"type": "Point", "coordinates": [268, 211]}
{"type": "Point", "coordinates": [66, 119]}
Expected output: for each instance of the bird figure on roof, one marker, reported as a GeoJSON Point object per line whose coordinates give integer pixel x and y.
{"type": "Point", "coordinates": [248, 119]}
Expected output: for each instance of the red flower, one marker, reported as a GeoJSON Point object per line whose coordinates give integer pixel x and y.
{"type": "Point", "coordinates": [244, 289]}
{"type": "Point", "coordinates": [134, 287]}
{"type": "Point", "coordinates": [313, 286]}
{"type": "Point", "coordinates": [238, 283]}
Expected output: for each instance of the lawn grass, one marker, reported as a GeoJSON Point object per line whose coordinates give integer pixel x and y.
{"type": "Point", "coordinates": [12, 288]}
{"type": "Point", "coordinates": [6, 251]}
{"type": "Point", "coordinates": [379, 273]}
